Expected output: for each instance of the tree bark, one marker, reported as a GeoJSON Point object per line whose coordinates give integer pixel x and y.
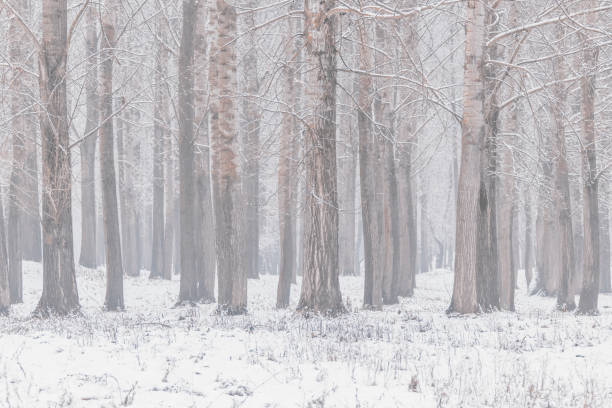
{"type": "Point", "coordinates": [320, 285]}
{"type": "Point", "coordinates": [204, 233]}
{"type": "Point", "coordinates": [88, 147]}
{"type": "Point", "coordinates": [5, 295]}
{"type": "Point", "coordinates": [465, 286]}
{"type": "Point", "coordinates": [59, 294]}
{"type": "Point", "coordinates": [110, 210]}
{"type": "Point", "coordinates": [286, 184]}
{"type": "Point", "coordinates": [227, 197]}
{"type": "Point", "coordinates": [189, 285]}
{"type": "Point", "coordinates": [590, 282]}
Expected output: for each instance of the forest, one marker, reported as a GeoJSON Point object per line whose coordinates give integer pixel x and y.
{"type": "Point", "coordinates": [305, 203]}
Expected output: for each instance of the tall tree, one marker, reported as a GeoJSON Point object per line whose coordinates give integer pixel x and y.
{"type": "Point", "coordinates": [88, 146]}
{"type": "Point", "coordinates": [250, 173]}
{"type": "Point", "coordinates": [159, 134]}
{"type": "Point", "coordinates": [112, 238]}
{"type": "Point", "coordinates": [590, 179]}
{"type": "Point", "coordinates": [320, 285]}
{"type": "Point", "coordinates": [470, 194]}
{"type": "Point", "coordinates": [227, 197]}
{"type": "Point", "coordinates": [5, 295]}
{"type": "Point", "coordinates": [205, 239]}
{"type": "Point", "coordinates": [59, 295]}
{"type": "Point", "coordinates": [189, 286]}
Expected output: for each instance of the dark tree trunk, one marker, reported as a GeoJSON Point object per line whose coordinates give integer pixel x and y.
{"type": "Point", "coordinates": [59, 294]}
{"type": "Point", "coordinates": [88, 148]}
{"type": "Point", "coordinates": [189, 285]}
{"type": "Point", "coordinates": [320, 285]}
{"type": "Point", "coordinates": [110, 210]}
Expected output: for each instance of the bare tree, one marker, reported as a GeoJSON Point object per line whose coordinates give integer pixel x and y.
{"type": "Point", "coordinates": [112, 237]}
{"type": "Point", "coordinates": [88, 146]}
{"type": "Point", "coordinates": [59, 294]}
{"type": "Point", "coordinates": [320, 285]}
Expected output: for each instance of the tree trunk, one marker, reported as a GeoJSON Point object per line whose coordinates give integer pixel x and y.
{"type": "Point", "coordinates": [370, 174]}
{"type": "Point", "coordinates": [424, 236]}
{"type": "Point", "coordinates": [88, 147]}
{"type": "Point", "coordinates": [5, 295]}
{"type": "Point", "coordinates": [320, 285]}
{"type": "Point", "coordinates": [286, 184]}
{"type": "Point", "coordinates": [112, 237]}
{"type": "Point", "coordinates": [604, 250]}
{"type": "Point", "coordinates": [189, 284]}
{"type": "Point", "coordinates": [204, 233]}
{"type": "Point", "coordinates": [528, 240]}
{"type": "Point", "coordinates": [590, 282]}
{"type": "Point", "coordinates": [465, 286]}
{"type": "Point", "coordinates": [250, 173]}
{"type": "Point", "coordinates": [227, 197]}
{"type": "Point", "coordinates": [59, 294]}
{"type": "Point", "coordinates": [169, 233]}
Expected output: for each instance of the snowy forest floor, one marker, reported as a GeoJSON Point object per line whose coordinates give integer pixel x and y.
{"type": "Point", "coordinates": [410, 355]}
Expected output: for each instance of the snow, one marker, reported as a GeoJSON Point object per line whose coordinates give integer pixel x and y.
{"type": "Point", "coordinates": [411, 355]}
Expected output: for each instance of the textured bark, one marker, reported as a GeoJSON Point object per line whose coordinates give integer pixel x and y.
{"type": "Point", "coordinates": [527, 254]}
{"type": "Point", "coordinates": [88, 147]}
{"type": "Point", "coordinates": [227, 197]}
{"type": "Point", "coordinates": [59, 294]}
{"type": "Point", "coordinates": [369, 176]}
{"type": "Point", "coordinates": [561, 195]}
{"type": "Point", "coordinates": [465, 286]}
{"type": "Point", "coordinates": [424, 257]}
{"type": "Point", "coordinates": [320, 286]}
{"type": "Point", "coordinates": [250, 173]}
{"type": "Point", "coordinates": [159, 134]}
{"type": "Point", "coordinates": [590, 281]}
{"type": "Point", "coordinates": [169, 233]}
{"type": "Point", "coordinates": [204, 217]}
{"type": "Point", "coordinates": [110, 210]}
{"type": "Point", "coordinates": [546, 229]}
{"type": "Point", "coordinates": [286, 185]}
{"type": "Point", "coordinates": [5, 295]}
{"type": "Point", "coordinates": [16, 199]}
{"type": "Point", "coordinates": [604, 239]}
{"type": "Point", "coordinates": [189, 285]}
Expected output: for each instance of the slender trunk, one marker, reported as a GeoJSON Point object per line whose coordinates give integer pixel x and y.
{"type": "Point", "coordinates": [169, 232]}
{"type": "Point", "coordinates": [369, 175]}
{"type": "Point", "coordinates": [112, 237]}
{"type": "Point", "coordinates": [88, 147]}
{"type": "Point", "coordinates": [286, 186]}
{"type": "Point", "coordinates": [528, 240]}
{"type": "Point", "coordinates": [604, 250]}
{"type": "Point", "coordinates": [5, 296]}
{"type": "Point", "coordinates": [250, 174]}
{"type": "Point", "coordinates": [320, 286]}
{"type": "Point", "coordinates": [59, 294]}
{"type": "Point", "coordinates": [189, 285]}
{"type": "Point", "coordinates": [204, 233]}
{"type": "Point", "coordinates": [590, 281]}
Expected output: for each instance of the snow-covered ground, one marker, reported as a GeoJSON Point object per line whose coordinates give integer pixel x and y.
{"type": "Point", "coordinates": [411, 355]}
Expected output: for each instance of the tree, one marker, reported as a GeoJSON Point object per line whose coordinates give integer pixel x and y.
{"type": "Point", "coordinates": [320, 285]}
{"type": "Point", "coordinates": [88, 147]}
{"type": "Point", "coordinates": [112, 238]}
{"type": "Point", "coordinates": [189, 287]}
{"type": "Point", "coordinates": [5, 295]}
{"type": "Point", "coordinates": [590, 178]}
{"type": "Point", "coordinates": [470, 193]}
{"type": "Point", "coordinates": [227, 197]}
{"type": "Point", "coordinates": [60, 295]}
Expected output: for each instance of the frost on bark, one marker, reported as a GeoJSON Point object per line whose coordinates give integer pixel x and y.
{"type": "Point", "coordinates": [87, 147]}
{"type": "Point", "coordinates": [59, 294]}
{"type": "Point", "coordinates": [110, 209]}
{"type": "Point", "coordinates": [590, 179]}
{"type": "Point", "coordinates": [471, 196]}
{"type": "Point", "coordinates": [604, 250]}
{"type": "Point", "coordinates": [227, 197]}
{"type": "Point", "coordinates": [320, 286]}
{"type": "Point", "coordinates": [251, 130]}
{"type": "Point", "coordinates": [204, 217]}
{"type": "Point", "coordinates": [188, 287]}
{"type": "Point", "coordinates": [5, 296]}
{"type": "Point", "coordinates": [160, 125]}
{"type": "Point", "coordinates": [370, 175]}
